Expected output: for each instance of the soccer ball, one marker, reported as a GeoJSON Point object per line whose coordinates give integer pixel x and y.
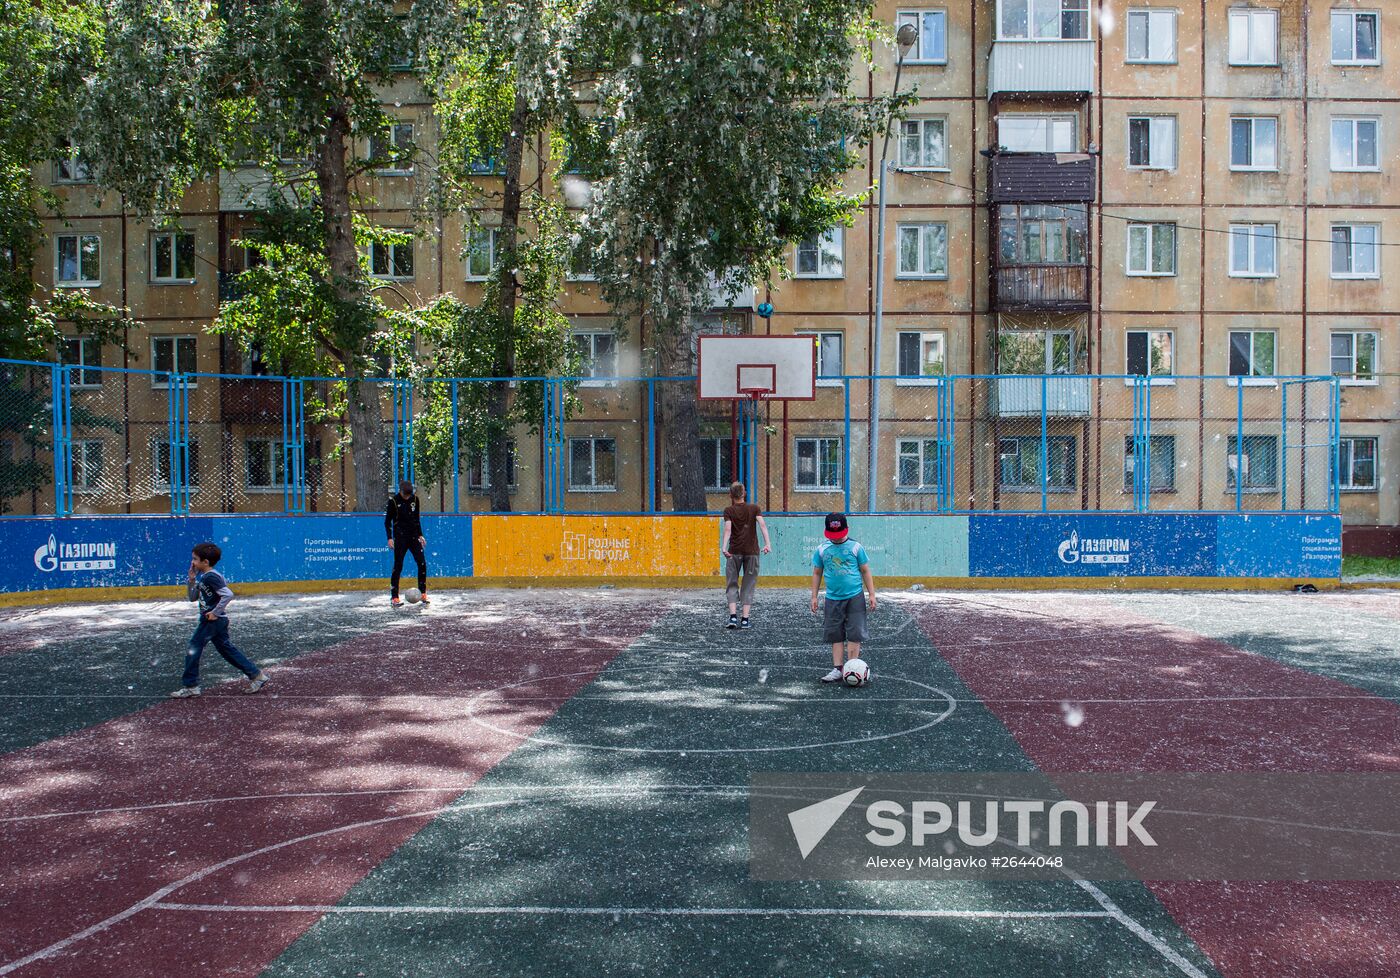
{"type": "Point", "coordinates": [413, 595]}
{"type": "Point", "coordinates": [855, 673]}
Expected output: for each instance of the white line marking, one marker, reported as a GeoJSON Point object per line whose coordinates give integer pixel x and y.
{"type": "Point", "coordinates": [1147, 937]}
{"type": "Point", "coordinates": [331, 908]}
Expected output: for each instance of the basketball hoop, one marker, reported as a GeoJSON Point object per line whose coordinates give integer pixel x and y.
{"type": "Point", "coordinates": [755, 380]}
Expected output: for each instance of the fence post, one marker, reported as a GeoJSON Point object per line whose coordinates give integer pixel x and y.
{"type": "Point", "coordinates": [1334, 443]}
{"type": "Point", "coordinates": [650, 458]}
{"type": "Point", "coordinates": [177, 427]}
{"type": "Point", "coordinates": [846, 444]}
{"type": "Point", "coordinates": [293, 446]}
{"type": "Point", "coordinates": [62, 408]}
{"type": "Point", "coordinates": [456, 467]}
{"type": "Point", "coordinates": [1283, 454]}
{"type": "Point", "coordinates": [1239, 444]}
{"type": "Point", "coordinates": [1044, 445]}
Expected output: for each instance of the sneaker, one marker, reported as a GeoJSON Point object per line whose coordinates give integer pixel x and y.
{"type": "Point", "coordinates": [424, 599]}
{"type": "Point", "coordinates": [744, 623]}
{"type": "Point", "coordinates": [395, 602]}
{"type": "Point", "coordinates": [185, 692]}
{"type": "Point", "coordinates": [834, 676]}
{"type": "Point", "coordinates": [256, 683]}
{"type": "Point", "coordinates": [733, 622]}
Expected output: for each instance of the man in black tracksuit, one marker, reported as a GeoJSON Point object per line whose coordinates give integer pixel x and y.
{"type": "Point", "coordinates": [405, 536]}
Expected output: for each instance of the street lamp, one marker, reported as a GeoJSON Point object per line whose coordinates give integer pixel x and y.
{"type": "Point", "coordinates": [905, 39]}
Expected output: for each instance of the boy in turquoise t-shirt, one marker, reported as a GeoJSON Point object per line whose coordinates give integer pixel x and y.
{"type": "Point", "coordinates": [846, 567]}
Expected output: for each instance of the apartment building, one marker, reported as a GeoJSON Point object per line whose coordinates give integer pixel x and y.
{"type": "Point", "coordinates": [1132, 189]}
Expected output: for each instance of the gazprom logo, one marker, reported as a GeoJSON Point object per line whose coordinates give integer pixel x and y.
{"type": "Point", "coordinates": [1069, 549]}
{"type": "Point", "coordinates": [46, 557]}
{"type": "Point", "coordinates": [1094, 550]}
{"type": "Point", "coordinates": [55, 556]}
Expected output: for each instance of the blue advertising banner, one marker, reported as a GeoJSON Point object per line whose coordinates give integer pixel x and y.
{"type": "Point", "coordinates": [1092, 545]}
{"type": "Point", "coordinates": [109, 551]}
{"type": "Point", "coordinates": [1278, 545]}
{"type": "Point", "coordinates": [917, 545]}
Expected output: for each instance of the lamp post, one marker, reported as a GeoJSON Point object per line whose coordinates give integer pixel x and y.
{"type": "Point", "coordinates": [907, 36]}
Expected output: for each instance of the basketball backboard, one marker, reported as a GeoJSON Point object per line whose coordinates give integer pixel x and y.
{"type": "Point", "coordinates": [770, 368]}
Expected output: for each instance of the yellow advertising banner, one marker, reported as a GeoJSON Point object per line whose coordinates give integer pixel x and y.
{"type": "Point", "coordinates": [595, 546]}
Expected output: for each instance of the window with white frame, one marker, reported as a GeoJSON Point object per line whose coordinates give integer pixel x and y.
{"type": "Point", "coordinates": [1356, 463]}
{"type": "Point", "coordinates": [831, 362]}
{"type": "Point", "coordinates": [479, 469]}
{"type": "Point", "coordinates": [917, 461]}
{"type": "Point", "coordinates": [932, 44]}
{"type": "Point", "coordinates": [822, 255]}
{"type": "Point", "coordinates": [392, 261]}
{"type": "Point", "coordinates": [1252, 352]}
{"type": "Point", "coordinates": [393, 150]}
{"type": "Point", "coordinates": [481, 253]}
{"type": "Point", "coordinates": [592, 465]}
{"type": "Point", "coordinates": [1356, 250]}
{"type": "Point", "coordinates": [1253, 143]}
{"type": "Point", "coordinates": [923, 251]}
{"type": "Point", "coordinates": [172, 257]}
{"type": "Point", "coordinates": [70, 167]}
{"type": "Point", "coordinates": [1151, 37]}
{"type": "Point", "coordinates": [1253, 37]}
{"type": "Point", "coordinates": [1151, 249]}
{"type": "Point", "coordinates": [1257, 457]}
{"type": "Point", "coordinates": [1355, 143]}
{"type": "Point", "coordinates": [160, 459]}
{"type": "Point", "coordinates": [1028, 133]}
{"type": "Point", "coordinates": [1019, 463]}
{"type": "Point", "coordinates": [581, 263]}
{"type": "Point", "coordinates": [77, 260]}
{"type": "Point", "coordinates": [1254, 250]}
{"type": "Point", "coordinates": [86, 353]}
{"type": "Point", "coordinates": [265, 464]}
{"type": "Point", "coordinates": [1043, 20]}
{"type": "Point", "coordinates": [1152, 142]}
{"type": "Point", "coordinates": [716, 464]}
{"type": "Point", "coordinates": [1151, 352]}
{"type": "Point", "coordinates": [818, 463]}
{"type": "Point", "coordinates": [1354, 356]}
{"type": "Point", "coordinates": [87, 465]}
{"type": "Point", "coordinates": [598, 351]}
{"type": "Point", "coordinates": [172, 355]}
{"type": "Point", "coordinates": [1036, 351]}
{"type": "Point", "coordinates": [1356, 37]}
{"type": "Point", "coordinates": [923, 143]}
{"type": "Point", "coordinates": [923, 356]}
{"type": "Point", "coordinates": [1160, 463]}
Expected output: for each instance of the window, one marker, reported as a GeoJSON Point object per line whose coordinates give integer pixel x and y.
{"type": "Point", "coordinates": [393, 151]}
{"type": "Point", "coordinates": [77, 260]}
{"type": "Point", "coordinates": [87, 466]}
{"type": "Point", "coordinates": [1253, 37]}
{"type": "Point", "coordinates": [1043, 20]}
{"type": "Point", "coordinates": [1355, 144]}
{"type": "Point", "coordinates": [592, 465]}
{"type": "Point", "coordinates": [172, 257]}
{"type": "Point", "coordinates": [160, 456]}
{"type": "Point", "coordinates": [923, 251]}
{"type": "Point", "coordinates": [1355, 250]}
{"type": "Point", "coordinates": [1252, 353]}
{"type": "Point", "coordinates": [1152, 142]}
{"type": "Point", "coordinates": [922, 356]}
{"type": "Point", "coordinates": [1254, 250]}
{"type": "Point", "coordinates": [1152, 36]}
{"type": "Point", "coordinates": [917, 465]}
{"type": "Point", "coordinates": [1150, 352]}
{"type": "Point", "coordinates": [1019, 462]}
{"type": "Point", "coordinates": [1042, 234]}
{"type": "Point", "coordinates": [266, 464]}
{"type": "Point", "coordinates": [1354, 357]}
{"type": "Point", "coordinates": [1253, 143]}
{"type": "Point", "coordinates": [831, 361]}
{"type": "Point", "coordinates": [492, 163]}
{"type": "Point", "coordinates": [1160, 464]}
{"type": "Point", "coordinates": [599, 353]}
{"type": "Point", "coordinates": [923, 144]}
{"type": "Point", "coordinates": [1036, 133]}
{"type": "Point", "coordinates": [1355, 38]}
{"type": "Point", "coordinates": [581, 263]}
{"type": "Point", "coordinates": [86, 353]}
{"type": "Point", "coordinates": [932, 45]}
{"type": "Point", "coordinates": [481, 253]}
{"type": "Point", "coordinates": [1151, 249]}
{"type": "Point", "coordinates": [1356, 464]}
{"type": "Point", "coordinates": [392, 261]}
{"type": "Point", "coordinates": [716, 464]}
{"type": "Point", "coordinates": [251, 362]}
{"type": "Point", "coordinates": [70, 167]}
{"type": "Point", "coordinates": [1035, 352]}
{"type": "Point", "coordinates": [823, 255]}
{"type": "Point", "coordinates": [1259, 460]}
{"type": "Point", "coordinates": [818, 464]}
{"type": "Point", "coordinates": [172, 355]}
{"type": "Point", "coordinates": [479, 469]}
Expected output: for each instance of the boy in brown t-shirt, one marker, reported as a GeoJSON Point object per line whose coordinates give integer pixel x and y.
{"type": "Point", "coordinates": [740, 549]}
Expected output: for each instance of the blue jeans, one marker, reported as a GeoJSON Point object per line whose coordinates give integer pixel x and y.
{"type": "Point", "coordinates": [215, 631]}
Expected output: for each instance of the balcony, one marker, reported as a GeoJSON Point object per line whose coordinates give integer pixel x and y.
{"type": "Point", "coordinates": [1020, 397]}
{"type": "Point", "coordinates": [254, 400]}
{"type": "Point", "coordinates": [1043, 288]}
{"type": "Point", "coordinates": [1041, 178]}
{"type": "Point", "coordinates": [1041, 67]}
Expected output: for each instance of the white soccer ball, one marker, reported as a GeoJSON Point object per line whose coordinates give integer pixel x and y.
{"type": "Point", "coordinates": [413, 595]}
{"type": "Point", "coordinates": [855, 672]}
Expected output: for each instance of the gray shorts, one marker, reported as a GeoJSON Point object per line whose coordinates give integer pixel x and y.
{"type": "Point", "coordinates": [844, 621]}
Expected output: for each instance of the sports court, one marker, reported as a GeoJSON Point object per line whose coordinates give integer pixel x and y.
{"type": "Point", "coordinates": [553, 782]}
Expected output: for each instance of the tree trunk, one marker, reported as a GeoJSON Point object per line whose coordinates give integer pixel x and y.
{"type": "Point", "coordinates": [682, 420]}
{"type": "Point", "coordinates": [497, 453]}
